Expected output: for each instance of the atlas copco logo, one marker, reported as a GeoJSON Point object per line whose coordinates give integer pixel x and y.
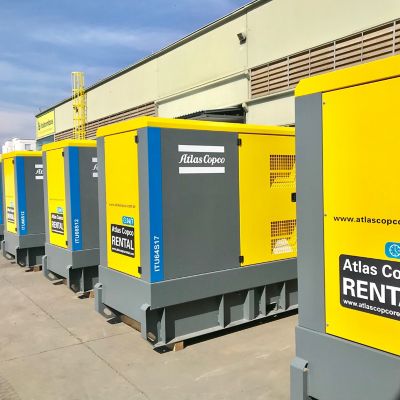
{"type": "Point", "coordinates": [39, 171]}
{"type": "Point", "coordinates": [95, 172]}
{"type": "Point", "coordinates": [199, 159]}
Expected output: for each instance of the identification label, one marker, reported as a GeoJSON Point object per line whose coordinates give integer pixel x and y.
{"type": "Point", "coordinates": [370, 285]}
{"type": "Point", "coordinates": [123, 240]}
{"type": "Point", "coordinates": [11, 214]}
{"type": "Point", "coordinates": [57, 223]}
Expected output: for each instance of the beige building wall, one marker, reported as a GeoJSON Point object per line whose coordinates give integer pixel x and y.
{"type": "Point", "coordinates": [63, 116]}
{"type": "Point", "coordinates": [218, 95]}
{"type": "Point", "coordinates": [129, 90]}
{"type": "Point", "coordinates": [278, 110]}
{"type": "Point", "coordinates": [195, 75]}
{"type": "Point", "coordinates": [283, 27]}
{"type": "Point", "coordinates": [216, 54]}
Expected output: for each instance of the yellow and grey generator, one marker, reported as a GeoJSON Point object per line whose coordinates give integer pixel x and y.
{"type": "Point", "coordinates": [23, 207]}
{"type": "Point", "coordinates": [1, 201]}
{"type": "Point", "coordinates": [72, 213]}
{"type": "Point", "coordinates": [197, 225]}
{"type": "Point", "coordinates": [347, 141]}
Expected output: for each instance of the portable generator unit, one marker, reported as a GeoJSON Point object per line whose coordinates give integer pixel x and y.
{"type": "Point", "coordinates": [72, 213]}
{"type": "Point", "coordinates": [23, 207]}
{"type": "Point", "coordinates": [347, 141]}
{"type": "Point", "coordinates": [197, 225]}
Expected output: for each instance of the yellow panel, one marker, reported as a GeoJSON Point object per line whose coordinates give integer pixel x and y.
{"type": "Point", "coordinates": [56, 202]}
{"type": "Point", "coordinates": [267, 214]}
{"type": "Point", "coordinates": [122, 202]}
{"type": "Point", "coordinates": [9, 193]}
{"type": "Point", "coordinates": [361, 164]}
{"type": "Point", "coordinates": [22, 153]}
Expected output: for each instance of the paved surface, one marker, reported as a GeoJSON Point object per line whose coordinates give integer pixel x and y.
{"type": "Point", "coordinates": [54, 346]}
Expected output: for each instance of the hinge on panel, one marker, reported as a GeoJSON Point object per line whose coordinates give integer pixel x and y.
{"type": "Point", "coordinates": [137, 139]}
{"type": "Point", "coordinates": [294, 197]}
{"type": "Point", "coordinates": [140, 270]}
{"type": "Point", "coordinates": [66, 242]}
{"type": "Point", "coordinates": [62, 153]}
{"type": "Point", "coordinates": [241, 259]}
{"type": "Point", "coordinates": [239, 142]}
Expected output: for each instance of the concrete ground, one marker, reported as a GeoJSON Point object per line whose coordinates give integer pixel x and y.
{"type": "Point", "coordinates": [54, 346]}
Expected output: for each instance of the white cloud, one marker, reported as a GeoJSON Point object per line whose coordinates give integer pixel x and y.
{"type": "Point", "coordinates": [16, 122]}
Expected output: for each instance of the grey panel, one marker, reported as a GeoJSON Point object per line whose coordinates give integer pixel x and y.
{"type": "Point", "coordinates": [59, 259]}
{"type": "Point", "coordinates": [144, 205]}
{"type": "Point", "coordinates": [14, 241]}
{"type": "Point", "coordinates": [196, 287]}
{"type": "Point", "coordinates": [45, 198]}
{"type": "Point", "coordinates": [200, 211]}
{"type": "Point", "coordinates": [11, 242]}
{"type": "Point", "coordinates": [310, 230]}
{"type": "Point", "coordinates": [34, 240]}
{"type": "Point", "coordinates": [197, 312]}
{"type": "Point", "coordinates": [34, 197]}
{"type": "Point", "coordinates": [360, 373]}
{"type": "Point", "coordinates": [89, 198]}
{"type": "Point", "coordinates": [124, 293]}
{"type": "Point", "coordinates": [101, 182]}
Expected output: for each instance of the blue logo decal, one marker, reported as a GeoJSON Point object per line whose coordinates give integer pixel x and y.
{"type": "Point", "coordinates": [392, 250]}
{"type": "Point", "coordinates": [128, 221]}
{"type": "Point", "coordinates": [59, 210]}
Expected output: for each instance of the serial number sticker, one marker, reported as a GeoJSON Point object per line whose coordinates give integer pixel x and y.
{"type": "Point", "coordinates": [370, 285]}
{"type": "Point", "coordinates": [123, 240]}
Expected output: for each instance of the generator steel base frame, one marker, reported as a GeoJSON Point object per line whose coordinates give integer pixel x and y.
{"type": "Point", "coordinates": [80, 268]}
{"type": "Point", "coordinates": [179, 309]}
{"type": "Point", "coordinates": [354, 378]}
{"type": "Point", "coordinates": [27, 250]}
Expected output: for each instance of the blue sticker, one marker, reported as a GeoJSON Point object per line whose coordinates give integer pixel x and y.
{"type": "Point", "coordinates": [155, 205]}
{"type": "Point", "coordinates": [75, 196]}
{"type": "Point", "coordinates": [128, 221]}
{"type": "Point", "coordinates": [392, 250]}
{"type": "Point", "coordinates": [60, 210]}
{"type": "Point", "coordinates": [21, 195]}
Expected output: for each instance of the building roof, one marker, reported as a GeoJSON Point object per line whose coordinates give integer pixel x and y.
{"type": "Point", "coordinates": [221, 21]}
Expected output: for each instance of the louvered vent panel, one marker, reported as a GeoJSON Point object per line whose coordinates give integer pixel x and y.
{"type": "Point", "coordinates": [282, 171]}
{"type": "Point", "coordinates": [91, 128]}
{"type": "Point", "coordinates": [283, 238]}
{"type": "Point", "coordinates": [365, 46]}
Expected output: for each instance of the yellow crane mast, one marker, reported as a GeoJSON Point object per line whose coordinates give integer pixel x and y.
{"type": "Point", "coordinates": [78, 105]}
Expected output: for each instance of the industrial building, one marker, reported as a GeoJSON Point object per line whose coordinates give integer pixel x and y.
{"type": "Point", "coordinates": [255, 57]}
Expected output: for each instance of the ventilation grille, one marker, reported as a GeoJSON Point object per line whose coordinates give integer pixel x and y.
{"type": "Point", "coordinates": [91, 127]}
{"type": "Point", "coordinates": [283, 238]}
{"type": "Point", "coordinates": [365, 46]}
{"type": "Point", "coordinates": [282, 171]}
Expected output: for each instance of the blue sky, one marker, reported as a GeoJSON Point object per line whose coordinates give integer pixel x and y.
{"type": "Point", "coordinates": [42, 41]}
